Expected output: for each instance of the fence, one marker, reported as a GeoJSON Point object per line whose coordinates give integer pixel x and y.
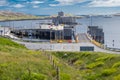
{"type": "Point", "coordinates": [53, 63]}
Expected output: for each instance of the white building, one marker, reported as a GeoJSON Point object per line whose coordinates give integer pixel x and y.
{"type": "Point", "coordinates": [4, 31]}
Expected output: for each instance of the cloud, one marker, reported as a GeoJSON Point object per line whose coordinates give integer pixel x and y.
{"type": "Point", "coordinates": [104, 3]}
{"type": "Point", "coordinates": [92, 3]}
{"type": "Point", "coordinates": [18, 6]}
{"type": "Point", "coordinates": [67, 2]}
{"type": "Point", "coordinates": [3, 2]}
{"type": "Point", "coordinates": [53, 5]}
{"type": "Point", "coordinates": [35, 6]}
{"type": "Point", "coordinates": [37, 2]}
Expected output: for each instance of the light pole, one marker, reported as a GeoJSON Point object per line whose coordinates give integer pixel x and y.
{"type": "Point", "coordinates": [63, 35]}
{"type": "Point", "coordinates": [1, 32]}
{"type": "Point", "coordinates": [4, 30]}
{"type": "Point", "coordinates": [113, 43]}
{"type": "Point", "coordinates": [50, 34]}
{"type": "Point", "coordinates": [60, 35]}
{"type": "Point", "coordinates": [91, 20]}
{"type": "Point", "coordinates": [13, 25]}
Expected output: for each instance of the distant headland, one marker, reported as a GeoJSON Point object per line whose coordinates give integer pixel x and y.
{"type": "Point", "coordinates": [9, 15]}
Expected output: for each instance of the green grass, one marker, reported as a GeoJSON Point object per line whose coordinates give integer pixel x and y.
{"type": "Point", "coordinates": [93, 65]}
{"type": "Point", "coordinates": [7, 42]}
{"type": "Point", "coordinates": [16, 62]}
{"type": "Point", "coordinates": [19, 63]}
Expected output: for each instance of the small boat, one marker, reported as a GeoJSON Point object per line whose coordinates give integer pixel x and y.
{"type": "Point", "coordinates": [107, 16]}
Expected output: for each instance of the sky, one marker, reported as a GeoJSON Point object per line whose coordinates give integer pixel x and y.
{"type": "Point", "coordinates": [51, 7]}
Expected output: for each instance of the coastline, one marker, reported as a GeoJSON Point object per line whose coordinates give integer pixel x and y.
{"type": "Point", "coordinates": [24, 19]}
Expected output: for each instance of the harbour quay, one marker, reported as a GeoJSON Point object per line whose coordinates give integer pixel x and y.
{"type": "Point", "coordinates": [60, 29]}
{"type": "Point", "coordinates": [45, 32]}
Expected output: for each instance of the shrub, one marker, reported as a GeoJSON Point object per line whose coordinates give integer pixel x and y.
{"type": "Point", "coordinates": [4, 65]}
{"type": "Point", "coordinates": [33, 76]}
{"type": "Point", "coordinates": [86, 54]}
{"type": "Point", "coordinates": [87, 72]}
{"type": "Point", "coordinates": [108, 72]}
{"type": "Point", "coordinates": [117, 77]}
{"type": "Point", "coordinates": [92, 77]}
{"type": "Point", "coordinates": [96, 64]}
{"type": "Point", "coordinates": [73, 60]}
{"type": "Point", "coordinates": [117, 64]}
{"type": "Point", "coordinates": [105, 58]}
{"type": "Point", "coordinates": [78, 62]}
{"type": "Point", "coordinates": [64, 76]}
{"type": "Point", "coordinates": [54, 73]}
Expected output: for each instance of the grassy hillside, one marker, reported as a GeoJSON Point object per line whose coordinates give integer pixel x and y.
{"type": "Point", "coordinates": [13, 17]}
{"type": "Point", "coordinates": [9, 15]}
{"type": "Point", "coordinates": [19, 63]}
{"type": "Point", "coordinates": [93, 66]}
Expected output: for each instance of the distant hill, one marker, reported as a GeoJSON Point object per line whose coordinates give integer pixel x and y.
{"type": "Point", "coordinates": [43, 15]}
{"type": "Point", "coordinates": [117, 14]}
{"type": "Point", "coordinates": [9, 15]}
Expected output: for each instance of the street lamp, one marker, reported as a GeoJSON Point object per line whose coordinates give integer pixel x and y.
{"type": "Point", "coordinates": [113, 43]}
{"type": "Point", "coordinates": [91, 20]}
{"type": "Point", "coordinates": [50, 34]}
{"type": "Point", "coordinates": [1, 32]}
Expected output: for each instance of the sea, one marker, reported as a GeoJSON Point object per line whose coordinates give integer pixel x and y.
{"type": "Point", "coordinates": [110, 25]}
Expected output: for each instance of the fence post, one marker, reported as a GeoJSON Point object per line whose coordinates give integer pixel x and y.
{"type": "Point", "coordinates": [57, 71]}
{"type": "Point", "coordinates": [52, 61]}
{"type": "Point", "coordinates": [54, 64]}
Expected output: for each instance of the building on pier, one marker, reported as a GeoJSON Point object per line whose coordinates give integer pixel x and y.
{"type": "Point", "coordinates": [61, 28]}
{"type": "Point", "coordinates": [69, 24]}
{"type": "Point", "coordinates": [96, 33]}
{"type": "Point", "coordinates": [48, 32]}
{"type": "Point", "coordinates": [62, 19]}
{"type": "Point", "coordinates": [4, 30]}
{"type": "Point", "coordinates": [61, 13]}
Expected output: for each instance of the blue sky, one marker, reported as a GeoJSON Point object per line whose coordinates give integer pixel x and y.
{"type": "Point", "coordinates": [50, 7]}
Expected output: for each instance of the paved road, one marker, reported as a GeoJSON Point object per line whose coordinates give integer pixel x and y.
{"type": "Point", "coordinates": [83, 41]}
{"type": "Point", "coordinates": [83, 38]}
{"type": "Point", "coordinates": [75, 47]}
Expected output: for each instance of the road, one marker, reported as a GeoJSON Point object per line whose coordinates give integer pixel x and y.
{"type": "Point", "coordinates": [73, 47]}
{"type": "Point", "coordinates": [85, 41]}
{"type": "Point", "coordinates": [83, 38]}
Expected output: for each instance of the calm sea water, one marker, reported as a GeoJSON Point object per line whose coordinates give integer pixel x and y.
{"type": "Point", "coordinates": [111, 27]}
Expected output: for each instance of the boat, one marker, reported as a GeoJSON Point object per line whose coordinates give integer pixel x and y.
{"type": "Point", "coordinates": [107, 16]}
